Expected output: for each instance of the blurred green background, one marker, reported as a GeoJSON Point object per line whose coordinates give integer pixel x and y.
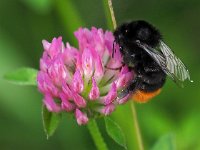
{"type": "Point", "coordinates": [23, 25]}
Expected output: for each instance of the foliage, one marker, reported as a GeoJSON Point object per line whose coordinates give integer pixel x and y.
{"type": "Point", "coordinates": [24, 24]}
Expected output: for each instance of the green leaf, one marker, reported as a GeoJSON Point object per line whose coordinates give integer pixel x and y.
{"type": "Point", "coordinates": [50, 121]}
{"type": "Point", "coordinates": [22, 76]}
{"type": "Point", "coordinates": [115, 132]}
{"type": "Point", "coordinates": [166, 142]}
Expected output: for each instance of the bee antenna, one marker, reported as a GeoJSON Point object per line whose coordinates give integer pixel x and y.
{"type": "Point", "coordinates": [113, 48]}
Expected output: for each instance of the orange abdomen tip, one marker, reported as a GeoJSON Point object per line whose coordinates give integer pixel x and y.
{"type": "Point", "coordinates": [143, 97]}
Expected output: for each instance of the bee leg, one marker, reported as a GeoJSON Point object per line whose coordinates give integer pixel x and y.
{"type": "Point", "coordinates": [113, 49]}
{"type": "Point", "coordinates": [134, 85]}
{"type": "Point", "coordinates": [131, 88]}
{"type": "Point", "coordinates": [118, 68]}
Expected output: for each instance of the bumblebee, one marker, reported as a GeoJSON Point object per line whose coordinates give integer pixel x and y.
{"type": "Point", "coordinates": [144, 52]}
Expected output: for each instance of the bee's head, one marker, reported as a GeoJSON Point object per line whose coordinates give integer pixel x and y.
{"type": "Point", "coordinates": [120, 33]}
{"type": "Point", "coordinates": [137, 30]}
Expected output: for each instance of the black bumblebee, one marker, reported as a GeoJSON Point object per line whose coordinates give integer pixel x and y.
{"type": "Point", "coordinates": [144, 51]}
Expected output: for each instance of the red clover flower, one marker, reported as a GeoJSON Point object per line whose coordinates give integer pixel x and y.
{"type": "Point", "coordinates": [78, 80]}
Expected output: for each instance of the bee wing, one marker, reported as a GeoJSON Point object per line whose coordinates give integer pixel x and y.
{"type": "Point", "coordinates": [174, 64]}
{"type": "Point", "coordinates": [169, 63]}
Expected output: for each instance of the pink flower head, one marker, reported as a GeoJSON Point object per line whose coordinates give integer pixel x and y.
{"type": "Point", "coordinates": [82, 80]}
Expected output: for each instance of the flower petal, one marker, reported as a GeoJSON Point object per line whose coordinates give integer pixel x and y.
{"type": "Point", "coordinates": [56, 47]}
{"type": "Point", "coordinates": [66, 104]}
{"type": "Point", "coordinates": [84, 37]}
{"type": "Point", "coordinates": [45, 84]}
{"type": "Point", "coordinates": [66, 90]}
{"type": "Point", "coordinates": [112, 94]}
{"type": "Point", "coordinates": [50, 103]}
{"type": "Point", "coordinates": [81, 117]}
{"type": "Point", "coordinates": [79, 100]}
{"type": "Point", "coordinates": [123, 100]}
{"type": "Point", "coordinates": [77, 83]}
{"type": "Point", "coordinates": [87, 63]}
{"type": "Point", "coordinates": [69, 55]}
{"type": "Point", "coordinates": [99, 70]}
{"type": "Point", "coordinates": [46, 45]}
{"type": "Point", "coordinates": [108, 109]}
{"type": "Point", "coordinates": [124, 79]}
{"type": "Point", "coordinates": [58, 72]}
{"type": "Point", "coordinates": [94, 92]}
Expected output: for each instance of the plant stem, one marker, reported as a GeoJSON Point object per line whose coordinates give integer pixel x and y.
{"type": "Point", "coordinates": [136, 125]}
{"type": "Point", "coordinates": [96, 135]}
{"type": "Point", "coordinates": [107, 15]}
{"type": "Point", "coordinates": [137, 129]}
{"type": "Point", "coordinates": [112, 14]}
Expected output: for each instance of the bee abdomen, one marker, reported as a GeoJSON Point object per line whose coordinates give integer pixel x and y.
{"type": "Point", "coordinates": [142, 97]}
{"type": "Point", "coordinates": [146, 87]}
{"type": "Point", "coordinates": [152, 81]}
{"type": "Point", "coordinates": [152, 78]}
